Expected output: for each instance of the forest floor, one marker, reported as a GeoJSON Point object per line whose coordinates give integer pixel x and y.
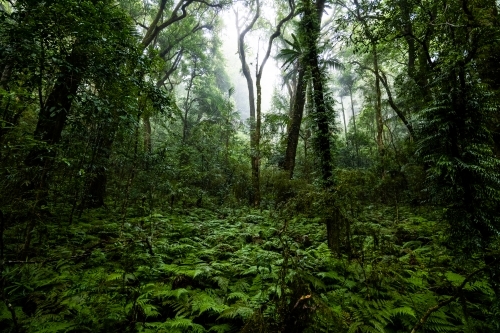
{"type": "Point", "coordinates": [236, 270]}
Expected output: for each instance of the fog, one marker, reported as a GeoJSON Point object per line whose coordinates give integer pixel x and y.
{"type": "Point", "coordinates": [256, 42]}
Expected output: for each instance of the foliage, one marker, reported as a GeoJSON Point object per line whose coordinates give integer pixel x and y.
{"type": "Point", "coordinates": [202, 271]}
{"type": "Point", "coordinates": [125, 175]}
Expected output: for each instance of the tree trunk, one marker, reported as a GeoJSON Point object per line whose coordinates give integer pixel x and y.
{"type": "Point", "coordinates": [256, 146]}
{"type": "Point", "coordinates": [295, 120]}
{"type": "Point", "coordinates": [378, 102]}
{"type": "Point", "coordinates": [321, 115]}
{"type": "Point", "coordinates": [251, 103]}
{"type": "Point", "coordinates": [51, 122]}
{"type": "Point", "coordinates": [355, 141]}
{"type": "Point", "coordinates": [96, 187]}
{"type": "Point", "coordinates": [147, 134]}
{"type": "Point", "coordinates": [52, 119]}
{"type": "Point", "coordinates": [343, 116]}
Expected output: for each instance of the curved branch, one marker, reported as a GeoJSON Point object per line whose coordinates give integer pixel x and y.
{"type": "Point", "coordinates": [381, 76]}
{"type": "Point", "coordinates": [276, 34]}
{"type": "Point", "coordinates": [244, 64]}
{"type": "Point", "coordinates": [196, 28]}
{"type": "Point", "coordinates": [155, 29]}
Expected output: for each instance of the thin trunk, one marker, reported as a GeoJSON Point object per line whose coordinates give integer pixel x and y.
{"type": "Point", "coordinates": [378, 102]}
{"type": "Point", "coordinates": [256, 146]}
{"type": "Point", "coordinates": [383, 79]}
{"type": "Point", "coordinates": [295, 120]}
{"type": "Point", "coordinates": [343, 116]}
{"type": "Point", "coordinates": [96, 187]}
{"type": "Point", "coordinates": [276, 33]}
{"type": "Point", "coordinates": [251, 102]}
{"type": "Point", "coordinates": [355, 141]}
{"type": "Point", "coordinates": [147, 134]}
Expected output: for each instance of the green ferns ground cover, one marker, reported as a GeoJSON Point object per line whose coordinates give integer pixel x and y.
{"type": "Point", "coordinates": [241, 271]}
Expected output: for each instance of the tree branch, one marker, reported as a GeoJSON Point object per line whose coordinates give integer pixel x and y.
{"type": "Point", "coordinates": [393, 105]}
{"type": "Point", "coordinates": [196, 28]}
{"type": "Point", "coordinates": [276, 33]}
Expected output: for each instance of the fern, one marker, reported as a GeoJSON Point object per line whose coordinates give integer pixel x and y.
{"type": "Point", "coordinates": [179, 324]}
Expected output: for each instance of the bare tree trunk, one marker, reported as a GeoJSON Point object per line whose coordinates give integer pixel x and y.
{"type": "Point", "coordinates": [255, 197]}
{"type": "Point", "coordinates": [258, 78]}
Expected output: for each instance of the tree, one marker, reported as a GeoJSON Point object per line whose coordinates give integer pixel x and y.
{"type": "Point", "coordinates": [87, 46]}
{"type": "Point", "coordinates": [305, 52]}
{"type": "Point", "coordinates": [456, 142]}
{"type": "Point", "coordinates": [255, 198]}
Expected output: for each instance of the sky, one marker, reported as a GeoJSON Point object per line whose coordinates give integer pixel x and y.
{"type": "Point", "coordinates": [257, 41]}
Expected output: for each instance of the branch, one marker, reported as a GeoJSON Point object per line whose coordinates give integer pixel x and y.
{"type": "Point", "coordinates": [438, 306]}
{"type": "Point", "coordinates": [241, 52]}
{"type": "Point", "coordinates": [140, 24]}
{"type": "Point", "coordinates": [171, 70]}
{"type": "Point", "coordinates": [276, 33]}
{"type": "Point", "coordinates": [381, 76]}
{"type": "Point", "coordinates": [152, 27]}
{"type": "Point", "coordinates": [196, 28]}
{"type": "Point", "coordinates": [155, 29]}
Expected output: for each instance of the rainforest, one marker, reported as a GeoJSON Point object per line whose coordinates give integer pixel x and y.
{"type": "Point", "coordinates": [253, 166]}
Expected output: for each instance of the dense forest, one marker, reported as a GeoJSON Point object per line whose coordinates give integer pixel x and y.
{"type": "Point", "coordinates": [249, 166]}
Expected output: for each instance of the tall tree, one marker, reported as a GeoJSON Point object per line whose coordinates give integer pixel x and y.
{"type": "Point", "coordinates": [305, 47]}
{"type": "Point", "coordinates": [258, 78]}
{"type": "Point", "coordinates": [242, 32]}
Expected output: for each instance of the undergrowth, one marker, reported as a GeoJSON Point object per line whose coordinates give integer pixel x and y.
{"type": "Point", "coordinates": [239, 271]}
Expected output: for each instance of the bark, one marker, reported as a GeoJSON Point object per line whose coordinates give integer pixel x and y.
{"type": "Point", "coordinates": [96, 187]}
{"type": "Point", "coordinates": [52, 118]}
{"type": "Point", "coordinates": [295, 121]}
{"type": "Point", "coordinates": [378, 102]}
{"type": "Point", "coordinates": [343, 116]}
{"type": "Point", "coordinates": [255, 197]}
{"type": "Point", "coordinates": [51, 122]}
{"type": "Point", "coordinates": [258, 78]}
{"type": "Point", "coordinates": [291, 87]}
{"type": "Point", "coordinates": [355, 128]}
